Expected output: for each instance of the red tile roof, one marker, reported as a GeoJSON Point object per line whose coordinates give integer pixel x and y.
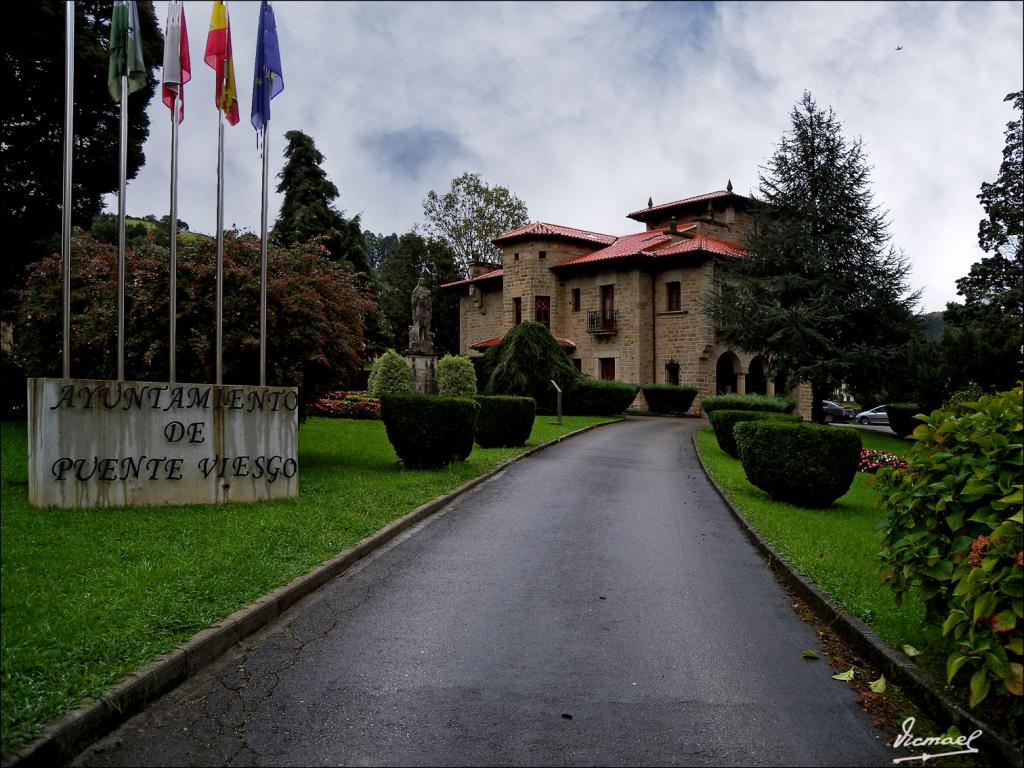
{"type": "Point", "coordinates": [541, 229]}
{"type": "Point", "coordinates": [643, 212]}
{"type": "Point", "coordinates": [487, 343]}
{"type": "Point", "coordinates": [487, 276]}
{"type": "Point", "coordinates": [654, 244]}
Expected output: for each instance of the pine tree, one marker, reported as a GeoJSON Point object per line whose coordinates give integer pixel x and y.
{"type": "Point", "coordinates": [982, 343]}
{"type": "Point", "coordinates": [308, 208]}
{"type": "Point", "coordinates": [822, 294]}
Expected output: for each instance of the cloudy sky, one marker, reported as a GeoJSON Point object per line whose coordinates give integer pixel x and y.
{"type": "Point", "coordinates": [584, 110]}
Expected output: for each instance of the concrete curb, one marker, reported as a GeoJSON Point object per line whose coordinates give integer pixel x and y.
{"type": "Point", "coordinates": [914, 681]}
{"type": "Point", "coordinates": [62, 739]}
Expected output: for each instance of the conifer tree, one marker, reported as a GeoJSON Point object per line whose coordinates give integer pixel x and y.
{"type": "Point", "coordinates": [308, 208]}
{"type": "Point", "coordinates": [822, 295]}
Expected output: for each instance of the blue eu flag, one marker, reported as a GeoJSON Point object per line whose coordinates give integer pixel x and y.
{"type": "Point", "coordinates": [268, 80]}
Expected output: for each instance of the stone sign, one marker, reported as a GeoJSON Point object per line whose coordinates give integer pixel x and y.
{"type": "Point", "coordinates": [109, 444]}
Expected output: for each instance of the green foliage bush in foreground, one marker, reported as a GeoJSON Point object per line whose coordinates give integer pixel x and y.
{"type": "Point", "coordinates": [429, 431]}
{"type": "Point", "coordinates": [804, 464]}
{"type": "Point", "coordinates": [456, 376]}
{"type": "Point", "coordinates": [747, 403]}
{"type": "Point", "coordinates": [524, 364]}
{"type": "Point", "coordinates": [901, 417]}
{"type": "Point", "coordinates": [669, 398]}
{"type": "Point", "coordinates": [953, 538]}
{"type": "Point", "coordinates": [724, 421]}
{"type": "Point", "coordinates": [598, 398]}
{"type": "Point", "coordinates": [391, 374]}
{"type": "Point", "coordinates": [505, 421]}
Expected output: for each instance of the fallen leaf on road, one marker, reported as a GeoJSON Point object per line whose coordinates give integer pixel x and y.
{"type": "Point", "coordinates": [845, 676]}
{"type": "Point", "coordinates": [810, 655]}
{"type": "Point", "coordinates": [878, 686]}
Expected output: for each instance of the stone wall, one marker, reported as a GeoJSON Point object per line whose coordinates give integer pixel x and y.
{"type": "Point", "coordinates": [481, 316]}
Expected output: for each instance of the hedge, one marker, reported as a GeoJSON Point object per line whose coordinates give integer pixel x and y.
{"type": "Point", "coordinates": [747, 403]}
{"type": "Point", "coordinates": [456, 376]}
{"type": "Point", "coordinates": [724, 421]}
{"type": "Point", "coordinates": [390, 374]}
{"type": "Point", "coordinates": [901, 417]}
{"type": "Point", "coordinates": [505, 421]}
{"type": "Point", "coordinates": [809, 465]}
{"type": "Point", "coordinates": [428, 431]}
{"type": "Point", "coordinates": [593, 397]}
{"type": "Point", "coordinates": [669, 398]}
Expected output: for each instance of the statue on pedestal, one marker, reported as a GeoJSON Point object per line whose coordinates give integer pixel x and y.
{"type": "Point", "coordinates": [421, 340]}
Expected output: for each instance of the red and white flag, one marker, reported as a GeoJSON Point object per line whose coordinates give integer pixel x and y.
{"type": "Point", "coordinates": [177, 68]}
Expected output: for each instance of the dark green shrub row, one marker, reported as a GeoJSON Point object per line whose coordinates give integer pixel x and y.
{"type": "Point", "coordinates": [724, 421]}
{"type": "Point", "coordinates": [669, 398]}
{"type": "Point", "coordinates": [952, 539]}
{"type": "Point", "coordinates": [428, 431]}
{"type": "Point", "coordinates": [593, 397]}
{"type": "Point", "coordinates": [504, 421]}
{"type": "Point", "coordinates": [804, 464]}
{"type": "Point", "coordinates": [747, 403]}
{"type": "Point", "coordinates": [901, 417]}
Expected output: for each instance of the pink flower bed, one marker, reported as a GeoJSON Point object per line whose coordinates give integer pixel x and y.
{"type": "Point", "coordinates": [872, 461]}
{"type": "Point", "coordinates": [347, 405]}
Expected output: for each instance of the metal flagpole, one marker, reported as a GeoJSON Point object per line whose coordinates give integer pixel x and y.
{"type": "Point", "coordinates": [69, 136]}
{"type": "Point", "coordinates": [220, 245]}
{"type": "Point", "coordinates": [174, 236]}
{"type": "Point", "coordinates": [263, 266]}
{"type": "Point", "coordinates": [120, 228]}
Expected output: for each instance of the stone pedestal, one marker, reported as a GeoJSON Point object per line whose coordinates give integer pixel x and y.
{"type": "Point", "coordinates": [424, 372]}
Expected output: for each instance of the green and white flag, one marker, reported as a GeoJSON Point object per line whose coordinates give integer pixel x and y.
{"type": "Point", "coordinates": [125, 50]}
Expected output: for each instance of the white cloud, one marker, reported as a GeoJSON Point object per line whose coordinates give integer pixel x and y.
{"type": "Point", "coordinates": [583, 110]}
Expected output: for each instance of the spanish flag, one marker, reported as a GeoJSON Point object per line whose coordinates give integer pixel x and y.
{"type": "Point", "coordinates": [218, 56]}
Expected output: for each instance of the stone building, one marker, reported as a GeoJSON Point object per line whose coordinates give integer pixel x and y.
{"type": "Point", "coordinates": [625, 308]}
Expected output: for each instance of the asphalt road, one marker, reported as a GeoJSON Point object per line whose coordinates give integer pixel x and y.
{"type": "Point", "coordinates": [594, 604]}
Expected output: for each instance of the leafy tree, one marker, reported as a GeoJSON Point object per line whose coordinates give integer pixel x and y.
{"type": "Point", "coordinates": [314, 315]}
{"type": "Point", "coordinates": [379, 248]}
{"type": "Point", "coordinates": [470, 215]}
{"type": "Point", "coordinates": [822, 295]}
{"type": "Point", "coordinates": [982, 342]}
{"type": "Point", "coordinates": [32, 124]}
{"type": "Point", "coordinates": [163, 230]}
{"type": "Point", "coordinates": [411, 258]}
{"type": "Point", "coordinates": [308, 208]}
{"type": "Point", "coordinates": [104, 229]}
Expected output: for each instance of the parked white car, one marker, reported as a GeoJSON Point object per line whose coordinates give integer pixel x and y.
{"type": "Point", "coordinates": [874, 416]}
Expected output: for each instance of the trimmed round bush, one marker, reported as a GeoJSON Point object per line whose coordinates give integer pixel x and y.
{"type": "Point", "coordinates": [747, 403]}
{"type": "Point", "coordinates": [428, 431]}
{"type": "Point", "coordinates": [505, 421]}
{"type": "Point", "coordinates": [456, 376]}
{"type": "Point", "coordinates": [724, 421]}
{"type": "Point", "coordinates": [901, 418]}
{"type": "Point", "coordinates": [592, 397]}
{"type": "Point", "coordinates": [809, 465]}
{"type": "Point", "coordinates": [390, 374]}
{"type": "Point", "coordinates": [669, 398]}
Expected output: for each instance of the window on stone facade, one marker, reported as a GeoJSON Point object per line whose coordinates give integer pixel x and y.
{"type": "Point", "coordinates": [517, 311]}
{"type": "Point", "coordinates": [515, 256]}
{"type": "Point", "coordinates": [607, 368]}
{"type": "Point", "coordinates": [542, 254]}
{"type": "Point", "coordinates": [543, 313]}
{"type": "Point", "coordinates": [674, 304]}
{"type": "Point", "coordinates": [575, 299]}
{"type": "Point", "coordinates": [578, 364]}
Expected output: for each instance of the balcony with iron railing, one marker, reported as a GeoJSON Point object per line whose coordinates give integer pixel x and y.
{"type": "Point", "coordinates": [603, 321]}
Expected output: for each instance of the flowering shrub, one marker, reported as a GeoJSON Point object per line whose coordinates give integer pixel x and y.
{"type": "Point", "coordinates": [872, 461]}
{"type": "Point", "coordinates": [953, 538]}
{"type": "Point", "coordinates": [347, 405]}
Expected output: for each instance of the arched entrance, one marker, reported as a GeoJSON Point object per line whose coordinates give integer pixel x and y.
{"type": "Point", "coordinates": [726, 368]}
{"type": "Point", "coordinates": [757, 381]}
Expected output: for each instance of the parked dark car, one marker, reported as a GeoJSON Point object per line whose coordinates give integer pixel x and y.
{"type": "Point", "coordinates": [875, 416]}
{"type": "Point", "coordinates": [834, 412]}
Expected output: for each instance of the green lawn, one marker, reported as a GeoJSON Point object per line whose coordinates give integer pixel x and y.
{"type": "Point", "coordinates": [834, 547]}
{"type": "Point", "coordinates": [90, 595]}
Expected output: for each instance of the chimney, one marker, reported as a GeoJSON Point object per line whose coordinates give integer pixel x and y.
{"type": "Point", "coordinates": [478, 268]}
{"type": "Point", "coordinates": [672, 225]}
